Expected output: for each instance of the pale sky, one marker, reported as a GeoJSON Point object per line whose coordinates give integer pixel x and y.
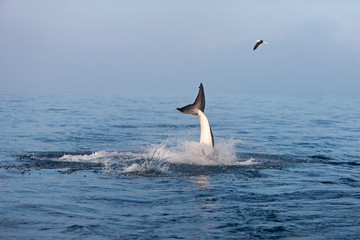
{"type": "Point", "coordinates": [124, 47]}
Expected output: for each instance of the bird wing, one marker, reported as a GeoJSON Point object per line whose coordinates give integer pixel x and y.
{"type": "Point", "coordinates": [257, 45]}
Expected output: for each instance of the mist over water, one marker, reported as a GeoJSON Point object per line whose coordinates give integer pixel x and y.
{"type": "Point", "coordinates": [115, 168]}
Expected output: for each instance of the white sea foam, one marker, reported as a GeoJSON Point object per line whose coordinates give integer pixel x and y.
{"type": "Point", "coordinates": [146, 167]}
{"type": "Point", "coordinates": [157, 157]}
{"type": "Point", "coordinates": [96, 157]}
{"type": "Point", "coordinates": [195, 153]}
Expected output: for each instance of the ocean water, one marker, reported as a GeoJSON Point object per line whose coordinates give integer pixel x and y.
{"type": "Point", "coordinates": [90, 167]}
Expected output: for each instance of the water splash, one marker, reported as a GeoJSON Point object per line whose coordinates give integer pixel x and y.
{"type": "Point", "coordinates": [195, 153]}
{"type": "Point", "coordinates": [153, 159]}
{"type": "Point", "coordinates": [159, 157]}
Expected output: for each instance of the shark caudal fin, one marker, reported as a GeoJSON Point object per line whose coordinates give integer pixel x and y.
{"type": "Point", "coordinates": [199, 103]}
{"type": "Point", "coordinates": [197, 108]}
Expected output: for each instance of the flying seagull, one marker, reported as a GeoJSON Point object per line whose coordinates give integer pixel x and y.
{"type": "Point", "coordinates": [258, 43]}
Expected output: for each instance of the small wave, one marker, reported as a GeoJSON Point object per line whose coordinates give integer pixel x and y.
{"type": "Point", "coordinates": [57, 109]}
{"type": "Point", "coordinates": [320, 157]}
{"type": "Point", "coordinates": [353, 163]}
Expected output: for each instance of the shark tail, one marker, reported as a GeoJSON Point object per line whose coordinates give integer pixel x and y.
{"type": "Point", "coordinates": [197, 108]}
{"type": "Point", "coordinates": [199, 103]}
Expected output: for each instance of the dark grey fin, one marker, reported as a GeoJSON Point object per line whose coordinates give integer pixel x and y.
{"type": "Point", "coordinates": [200, 99]}
{"type": "Point", "coordinates": [198, 104]}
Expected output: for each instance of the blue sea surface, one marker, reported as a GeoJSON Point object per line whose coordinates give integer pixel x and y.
{"type": "Point", "coordinates": [91, 167]}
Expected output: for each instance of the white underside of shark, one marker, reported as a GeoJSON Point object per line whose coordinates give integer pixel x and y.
{"type": "Point", "coordinates": [205, 130]}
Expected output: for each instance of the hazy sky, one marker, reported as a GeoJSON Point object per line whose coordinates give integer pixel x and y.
{"type": "Point", "coordinates": [124, 47]}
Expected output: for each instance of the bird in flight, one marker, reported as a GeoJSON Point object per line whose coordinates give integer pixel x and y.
{"type": "Point", "coordinates": [258, 43]}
